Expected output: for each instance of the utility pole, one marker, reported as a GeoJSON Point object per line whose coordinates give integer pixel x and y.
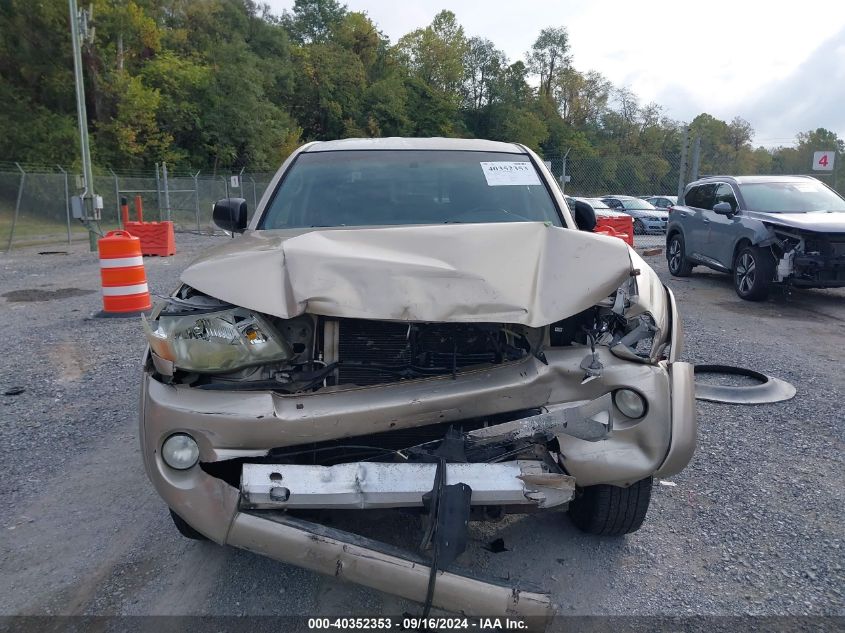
{"type": "Point", "coordinates": [87, 206]}
{"type": "Point", "coordinates": [696, 158]}
{"type": "Point", "coordinates": [563, 171]}
{"type": "Point", "coordinates": [682, 168]}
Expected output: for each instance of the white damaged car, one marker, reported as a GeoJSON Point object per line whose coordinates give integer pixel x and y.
{"type": "Point", "coordinates": [414, 324]}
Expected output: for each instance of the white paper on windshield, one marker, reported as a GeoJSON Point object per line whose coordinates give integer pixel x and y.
{"type": "Point", "coordinates": [503, 173]}
{"type": "Point", "coordinates": [806, 187]}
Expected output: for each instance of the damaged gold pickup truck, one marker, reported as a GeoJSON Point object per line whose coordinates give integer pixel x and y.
{"type": "Point", "coordinates": [414, 324]}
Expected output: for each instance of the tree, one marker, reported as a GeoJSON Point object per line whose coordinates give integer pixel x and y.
{"type": "Point", "coordinates": [819, 139]}
{"type": "Point", "coordinates": [799, 160]}
{"type": "Point", "coordinates": [313, 21]}
{"type": "Point", "coordinates": [327, 91]}
{"type": "Point", "coordinates": [436, 54]}
{"type": "Point", "coordinates": [433, 58]}
{"type": "Point", "coordinates": [548, 54]}
{"type": "Point", "coordinates": [356, 33]}
{"type": "Point", "coordinates": [483, 65]}
{"type": "Point", "coordinates": [222, 84]}
{"type": "Point", "coordinates": [581, 98]}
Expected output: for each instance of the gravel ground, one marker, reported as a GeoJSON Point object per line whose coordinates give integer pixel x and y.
{"type": "Point", "coordinates": [752, 526]}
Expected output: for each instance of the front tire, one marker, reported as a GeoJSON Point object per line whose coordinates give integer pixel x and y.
{"type": "Point", "coordinates": [611, 510]}
{"type": "Point", "coordinates": [753, 273]}
{"type": "Point", "coordinates": [186, 530]}
{"type": "Point", "coordinates": [639, 229]}
{"type": "Point", "coordinates": [676, 256]}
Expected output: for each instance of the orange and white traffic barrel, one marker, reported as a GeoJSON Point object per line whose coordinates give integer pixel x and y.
{"type": "Point", "coordinates": [122, 274]}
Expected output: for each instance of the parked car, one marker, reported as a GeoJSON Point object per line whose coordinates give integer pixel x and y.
{"type": "Point", "coordinates": [399, 315]}
{"type": "Point", "coordinates": [647, 219]}
{"type": "Point", "coordinates": [599, 207]}
{"type": "Point", "coordinates": [662, 202]}
{"type": "Point", "coordinates": [608, 221]}
{"type": "Point", "coordinates": [764, 230]}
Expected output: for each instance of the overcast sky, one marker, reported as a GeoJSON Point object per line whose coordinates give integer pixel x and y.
{"type": "Point", "coordinates": [780, 65]}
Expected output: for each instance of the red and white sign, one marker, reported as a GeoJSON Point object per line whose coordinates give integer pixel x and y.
{"type": "Point", "coordinates": [823, 161]}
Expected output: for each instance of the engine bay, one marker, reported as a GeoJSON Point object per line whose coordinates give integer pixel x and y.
{"type": "Point", "coordinates": [209, 344]}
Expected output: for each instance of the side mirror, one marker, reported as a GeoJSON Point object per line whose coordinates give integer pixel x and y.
{"type": "Point", "coordinates": [585, 216]}
{"type": "Point", "coordinates": [723, 208]}
{"type": "Point", "coordinates": [230, 214]}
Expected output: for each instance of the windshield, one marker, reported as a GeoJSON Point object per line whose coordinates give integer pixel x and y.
{"type": "Point", "coordinates": [637, 205]}
{"type": "Point", "coordinates": [381, 188]}
{"type": "Point", "coordinates": [786, 197]}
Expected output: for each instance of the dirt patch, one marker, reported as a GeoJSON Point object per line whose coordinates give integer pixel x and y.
{"type": "Point", "coordinates": [70, 361]}
{"type": "Point", "coordinates": [36, 294]}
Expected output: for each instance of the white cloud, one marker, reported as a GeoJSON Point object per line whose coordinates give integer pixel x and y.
{"type": "Point", "coordinates": [811, 96]}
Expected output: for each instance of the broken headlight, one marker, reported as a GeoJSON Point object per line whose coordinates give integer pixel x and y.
{"type": "Point", "coordinates": [636, 340]}
{"type": "Point", "coordinates": [216, 341]}
{"type": "Point", "coordinates": [633, 323]}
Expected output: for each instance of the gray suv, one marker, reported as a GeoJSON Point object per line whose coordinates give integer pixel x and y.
{"type": "Point", "coordinates": [761, 229]}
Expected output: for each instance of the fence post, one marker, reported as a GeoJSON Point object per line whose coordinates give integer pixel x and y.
{"type": "Point", "coordinates": [116, 197]}
{"type": "Point", "coordinates": [67, 201]}
{"type": "Point", "coordinates": [17, 207]}
{"type": "Point", "coordinates": [226, 188]}
{"type": "Point", "coordinates": [696, 158]}
{"type": "Point", "coordinates": [158, 193]}
{"type": "Point", "coordinates": [563, 171]}
{"type": "Point", "coordinates": [166, 191]}
{"type": "Point", "coordinates": [254, 196]}
{"type": "Point", "coordinates": [682, 168]}
{"type": "Point", "coordinates": [197, 199]}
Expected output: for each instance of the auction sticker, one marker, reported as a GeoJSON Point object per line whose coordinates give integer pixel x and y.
{"type": "Point", "coordinates": [504, 173]}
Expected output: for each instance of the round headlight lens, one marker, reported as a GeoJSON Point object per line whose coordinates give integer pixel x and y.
{"type": "Point", "coordinates": [630, 403]}
{"type": "Point", "coordinates": [180, 451]}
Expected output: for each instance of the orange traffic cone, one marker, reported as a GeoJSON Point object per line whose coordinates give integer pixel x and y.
{"type": "Point", "coordinates": [124, 281]}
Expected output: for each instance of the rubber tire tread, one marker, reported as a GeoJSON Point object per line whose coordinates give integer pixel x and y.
{"type": "Point", "coordinates": [186, 530]}
{"type": "Point", "coordinates": [612, 510]}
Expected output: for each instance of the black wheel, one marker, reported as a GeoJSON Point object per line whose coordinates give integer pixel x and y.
{"type": "Point", "coordinates": [184, 529]}
{"type": "Point", "coordinates": [676, 255]}
{"type": "Point", "coordinates": [639, 229]}
{"type": "Point", "coordinates": [753, 273]}
{"type": "Point", "coordinates": [611, 510]}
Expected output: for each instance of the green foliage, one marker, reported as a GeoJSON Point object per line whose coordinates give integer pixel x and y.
{"type": "Point", "coordinates": [327, 90]}
{"type": "Point", "coordinates": [221, 84]}
{"type": "Point", "coordinates": [131, 133]}
{"type": "Point", "coordinates": [314, 21]}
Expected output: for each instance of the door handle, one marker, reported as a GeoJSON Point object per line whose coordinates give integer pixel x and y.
{"type": "Point", "coordinates": [706, 221]}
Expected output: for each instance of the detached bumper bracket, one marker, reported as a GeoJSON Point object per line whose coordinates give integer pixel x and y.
{"type": "Point", "coordinates": [449, 507]}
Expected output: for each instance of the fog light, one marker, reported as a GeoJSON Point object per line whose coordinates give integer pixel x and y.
{"type": "Point", "coordinates": [630, 403]}
{"type": "Point", "coordinates": [180, 451]}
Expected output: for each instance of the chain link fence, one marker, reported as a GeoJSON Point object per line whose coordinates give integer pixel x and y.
{"type": "Point", "coordinates": [628, 175]}
{"type": "Point", "coordinates": [35, 200]}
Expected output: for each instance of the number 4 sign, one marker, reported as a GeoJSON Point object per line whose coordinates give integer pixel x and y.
{"type": "Point", "coordinates": [823, 161]}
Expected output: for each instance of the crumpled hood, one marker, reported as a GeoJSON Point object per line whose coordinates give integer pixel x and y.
{"type": "Point", "coordinates": [516, 272]}
{"type": "Point", "coordinates": [820, 221]}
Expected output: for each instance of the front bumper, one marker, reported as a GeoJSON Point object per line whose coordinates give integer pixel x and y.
{"type": "Point", "coordinates": [654, 226]}
{"type": "Point", "coordinates": [248, 425]}
{"type": "Point", "coordinates": [818, 271]}
{"type": "Point", "coordinates": [597, 445]}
